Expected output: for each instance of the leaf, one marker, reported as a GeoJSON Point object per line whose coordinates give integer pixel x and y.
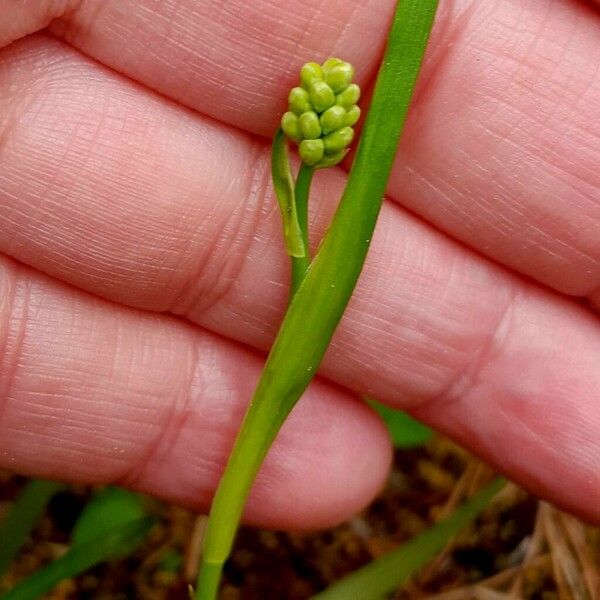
{"type": "Point", "coordinates": [22, 517]}
{"type": "Point", "coordinates": [116, 542]}
{"type": "Point", "coordinates": [283, 184]}
{"type": "Point", "coordinates": [110, 509]}
{"type": "Point", "coordinates": [385, 574]}
{"type": "Point", "coordinates": [111, 526]}
{"type": "Point", "coordinates": [405, 431]}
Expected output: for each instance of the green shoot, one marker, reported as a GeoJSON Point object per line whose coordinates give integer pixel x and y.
{"type": "Point", "coordinates": [21, 519]}
{"type": "Point", "coordinates": [111, 544]}
{"type": "Point", "coordinates": [111, 526]}
{"type": "Point", "coordinates": [321, 298]}
{"type": "Point", "coordinates": [384, 575]}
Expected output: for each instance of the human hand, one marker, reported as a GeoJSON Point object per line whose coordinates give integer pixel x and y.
{"type": "Point", "coordinates": [134, 180]}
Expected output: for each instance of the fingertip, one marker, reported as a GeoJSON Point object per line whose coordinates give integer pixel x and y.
{"type": "Point", "coordinates": [331, 459]}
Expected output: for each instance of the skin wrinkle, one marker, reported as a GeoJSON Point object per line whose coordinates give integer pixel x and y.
{"type": "Point", "coordinates": [59, 393]}
{"type": "Point", "coordinates": [24, 103]}
{"type": "Point", "coordinates": [483, 356]}
{"type": "Point", "coordinates": [594, 298]}
{"type": "Point", "coordinates": [11, 344]}
{"type": "Point", "coordinates": [172, 423]}
{"type": "Point", "coordinates": [221, 265]}
{"type": "Point", "coordinates": [539, 231]}
{"type": "Point", "coordinates": [451, 22]}
{"type": "Point", "coordinates": [50, 177]}
{"type": "Point", "coordinates": [561, 86]}
{"type": "Point", "coordinates": [526, 433]}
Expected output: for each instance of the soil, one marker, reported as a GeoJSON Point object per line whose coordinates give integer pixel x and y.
{"type": "Point", "coordinates": [519, 548]}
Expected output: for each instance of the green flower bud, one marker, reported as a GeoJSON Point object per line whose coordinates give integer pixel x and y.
{"type": "Point", "coordinates": [349, 97]}
{"type": "Point", "coordinates": [322, 112]}
{"type": "Point", "coordinates": [291, 127]}
{"type": "Point", "coordinates": [338, 140]}
{"type": "Point", "coordinates": [352, 116]}
{"type": "Point", "coordinates": [333, 118]}
{"type": "Point", "coordinates": [299, 100]}
{"type": "Point", "coordinates": [309, 73]}
{"type": "Point", "coordinates": [311, 151]}
{"type": "Point", "coordinates": [330, 160]}
{"type": "Point", "coordinates": [310, 126]}
{"type": "Point", "coordinates": [321, 96]}
{"type": "Point", "coordinates": [338, 76]}
{"type": "Point", "coordinates": [332, 62]}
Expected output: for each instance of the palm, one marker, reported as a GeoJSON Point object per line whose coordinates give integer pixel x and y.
{"type": "Point", "coordinates": [134, 180]}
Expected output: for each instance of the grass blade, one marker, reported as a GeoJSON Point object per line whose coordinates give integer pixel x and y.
{"type": "Point", "coordinates": [22, 517]}
{"type": "Point", "coordinates": [79, 558]}
{"type": "Point", "coordinates": [386, 574]}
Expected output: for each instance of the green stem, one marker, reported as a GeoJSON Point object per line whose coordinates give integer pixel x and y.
{"type": "Point", "coordinates": [321, 299]}
{"type": "Point", "coordinates": [300, 265]}
{"type": "Point", "coordinates": [209, 578]}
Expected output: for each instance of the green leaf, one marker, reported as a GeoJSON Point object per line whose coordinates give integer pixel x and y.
{"type": "Point", "coordinates": [405, 431]}
{"type": "Point", "coordinates": [283, 184]}
{"type": "Point", "coordinates": [111, 526]}
{"type": "Point", "coordinates": [116, 542]}
{"type": "Point", "coordinates": [384, 575]}
{"type": "Point", "coordinates": [22, 517]}
{"type": "Point", "coordinates": [110, 509]}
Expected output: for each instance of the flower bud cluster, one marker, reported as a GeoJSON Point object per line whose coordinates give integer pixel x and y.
{"type": "Point", "coordinates": [322, 112]}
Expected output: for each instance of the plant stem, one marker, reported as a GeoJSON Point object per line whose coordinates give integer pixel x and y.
{"type": "Point", "coordinates": [321, 298]}
{"type": "Point", "coordinates": [283, 184]}
{"type": "Point", "coordinates": [300, 265]}
{"type": "Point", "coordinates": [209, 579]}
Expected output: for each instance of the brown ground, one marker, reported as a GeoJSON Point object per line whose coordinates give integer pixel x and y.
{"type": "Point", "coordinates": [520, 548]}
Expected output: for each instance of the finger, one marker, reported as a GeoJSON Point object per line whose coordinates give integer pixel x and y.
{"type": "Point", "coordinates": [175, 215]}
{"type": "Point", "coordinates": [504, 141]}
{"type": "Point", "coordinates": [95, 393]}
